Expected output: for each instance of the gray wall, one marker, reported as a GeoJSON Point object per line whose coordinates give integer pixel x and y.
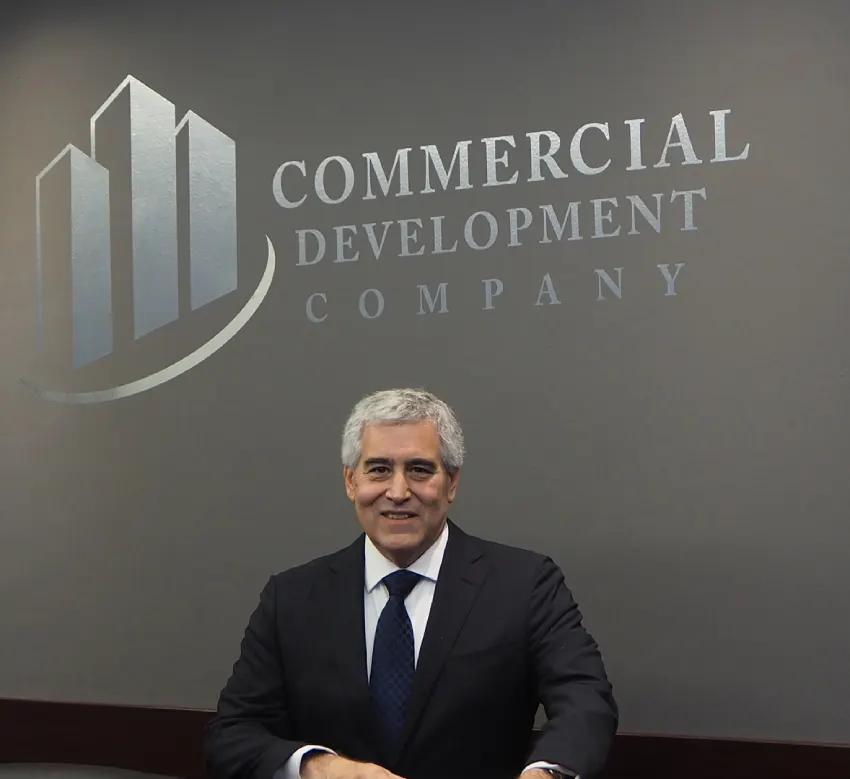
{"type": "Point", "coordinates": [682, 456]}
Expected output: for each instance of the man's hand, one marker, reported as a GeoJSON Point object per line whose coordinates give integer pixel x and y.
{"type": "Point", "coordinates": [535, 773]}
{"type": "Point", "coordinates": [323, 765]}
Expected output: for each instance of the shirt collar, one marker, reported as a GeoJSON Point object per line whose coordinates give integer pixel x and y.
{"type": "Point", "coordinates": [427, 566]}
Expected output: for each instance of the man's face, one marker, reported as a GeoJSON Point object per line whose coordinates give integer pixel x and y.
{"type": "Point", "coordinates": [400, 489]}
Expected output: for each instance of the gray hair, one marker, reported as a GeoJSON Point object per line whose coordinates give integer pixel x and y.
{"type": "Point", "coordinates": [396, 407]}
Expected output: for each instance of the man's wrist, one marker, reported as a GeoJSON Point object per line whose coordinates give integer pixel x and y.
{"type": "Point", "coordinates": [312, 762]}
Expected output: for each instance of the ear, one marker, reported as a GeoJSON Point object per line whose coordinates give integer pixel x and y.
{"type": "Point", "coordinates": [453, 480]}
{"type": "Point", "coordinates": [348, 476]}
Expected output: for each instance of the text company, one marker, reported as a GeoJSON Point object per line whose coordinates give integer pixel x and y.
{"type": "Point", "coordinates": [500, 161]}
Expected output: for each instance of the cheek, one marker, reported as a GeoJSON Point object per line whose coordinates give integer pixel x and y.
{"type": "Point", "coordinates": [430, 495]}
{"type": "Point", "coordinates": [366, 493]}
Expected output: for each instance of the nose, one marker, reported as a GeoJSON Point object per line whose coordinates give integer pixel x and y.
{"type": "Point", "coordinates": [398, 489]}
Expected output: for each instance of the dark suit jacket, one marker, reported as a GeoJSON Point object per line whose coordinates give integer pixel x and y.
{"type": "Point", "coordinates": [503, 635]}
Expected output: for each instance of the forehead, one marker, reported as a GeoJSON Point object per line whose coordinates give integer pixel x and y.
{"type": "Point", "coordinates": [410, 439]}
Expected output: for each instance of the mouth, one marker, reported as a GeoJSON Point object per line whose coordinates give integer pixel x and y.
{"type": "Point", "coordinates": [398, 514]}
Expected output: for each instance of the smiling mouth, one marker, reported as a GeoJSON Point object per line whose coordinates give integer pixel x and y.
{"type": "Point", "coordinates": [398, 514]}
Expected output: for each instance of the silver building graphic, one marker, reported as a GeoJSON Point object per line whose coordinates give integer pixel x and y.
{"type": "Point", "coordinates": [206, 178]}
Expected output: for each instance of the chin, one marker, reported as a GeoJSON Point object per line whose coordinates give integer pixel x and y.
{"type": "Point", "coordinates": [402, 538]}
{"type": "Point", "coordinates": [401, 542]}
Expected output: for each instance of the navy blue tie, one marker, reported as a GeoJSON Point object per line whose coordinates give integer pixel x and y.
{"type": "Point", "coordinates": [393, 663]}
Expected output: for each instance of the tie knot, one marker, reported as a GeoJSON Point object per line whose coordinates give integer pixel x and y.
{"type": "Point", "coordinates": [401, 583]}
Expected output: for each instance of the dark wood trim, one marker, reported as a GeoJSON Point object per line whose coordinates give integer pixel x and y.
{"type": "Point", "coordinates": [687, 757]}
{"type": "Point", "coordinates": [169, 742]}
{"type": "Point", "coordinates": [152, 740]}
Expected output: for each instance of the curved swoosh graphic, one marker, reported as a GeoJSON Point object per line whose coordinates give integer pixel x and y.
{"type": "Point", "coordinates": [181, 366]}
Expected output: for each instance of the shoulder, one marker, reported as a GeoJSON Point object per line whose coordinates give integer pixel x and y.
{"type": "Point", "coordinates": [513, 555]}
{"type": "Point", "coordinates": [518, 575]}
{"type": "Point", "coordinates": [305, 575]}
{"type": "Point", "coordinates": [516, 561]}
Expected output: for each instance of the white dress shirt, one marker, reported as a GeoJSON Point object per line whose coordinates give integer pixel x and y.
{"type": "Point", "coordinates": [418, 605]}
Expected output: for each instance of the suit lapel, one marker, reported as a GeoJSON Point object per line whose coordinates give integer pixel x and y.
{"type": "Point", "coordinates": [461, 576]}
{"type": "Point", "coordinates": [343, 605]}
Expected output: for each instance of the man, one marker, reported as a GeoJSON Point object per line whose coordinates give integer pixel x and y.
{"type": "Point", "coordinates": [418, 651]}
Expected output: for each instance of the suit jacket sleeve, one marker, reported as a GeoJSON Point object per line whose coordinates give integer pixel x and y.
{"type": "Point", "coordinates": [250, 734]}
{"type": "Point", "coordinates": [571, 681]}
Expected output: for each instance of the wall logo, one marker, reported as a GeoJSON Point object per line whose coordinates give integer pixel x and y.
{"type": "Point", "coordinates": [136, 241]}
{"type": "Point", "coordinates": [178, 191]}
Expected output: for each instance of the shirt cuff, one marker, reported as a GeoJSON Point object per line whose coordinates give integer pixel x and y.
{"type": "Point", "coordinates": [291, 769]}
{"type": "Point", "coordinates": [554, 766]}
